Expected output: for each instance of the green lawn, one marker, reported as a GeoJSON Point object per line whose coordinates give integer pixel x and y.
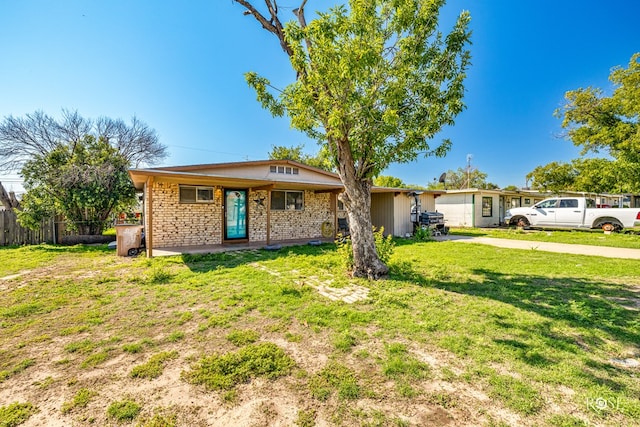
{"type": "Point", "coordinates": [581, 237]}
{"type": "Point", "coordinates": [457, 334]}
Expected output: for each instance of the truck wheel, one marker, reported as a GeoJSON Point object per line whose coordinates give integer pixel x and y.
{"type": "Point", "coordinates": [608, 227]}
{"type": "Point", "coordinates": [522, 222]}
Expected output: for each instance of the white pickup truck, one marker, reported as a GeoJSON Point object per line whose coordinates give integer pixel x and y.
{"type": "Point", "coordinates": [572, 212]}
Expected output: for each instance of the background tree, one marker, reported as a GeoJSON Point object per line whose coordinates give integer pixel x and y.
{"type": "Point", "coordinates": [375, 82]}
{"type": "Point", "coordinates": [75, 166]}
{"type": "Point", "coordinates": [463, 178]}
{"type": "Point", "coordinates": [555, 177]}
{"type": "Point", "coordinates": [85, 181]}
{"type": "Point", "coordinates": [388, 181]}
{"type": "Point", "coordinates": [593, 175]}
{"type": "Point", "coordinates": [610, 124]}
{"type": "Point", "coordinates": [321, 160]}
{"type": "Point", "coordinates": [23, 138]}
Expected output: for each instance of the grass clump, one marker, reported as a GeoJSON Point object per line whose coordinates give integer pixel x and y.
{"type": "Point", "coordinates": [565, 421]}
{"type": "Point", "coordinates": [132, 348]}
{"type": "Point", "coordinates": [516, 394]}
{"type": "Point", "coordinates": [153, 368]}
{"type": "Point", "coordinates": [84, 346]}
{"type": "Point", "coordinates": [335, 377]}
{"type": "Point", "coordinates": [15, 414]}
{"type": "Point", "coordinates": [6, 374]}
{"type": "Point", "coordinates": [306, 418]}
{"type": "Point", "coordinates": [175, 336]}
{"type": "Point", "coordinates": [123, 410]}
{"type": "Point", "coordinates": [223, 372]}
{"type": "Point", "coordinates": [158, 276]}
{"type": "Point", "coordinates": [241, 338]}
{"type": "Point", "coordinates": [159, 420]}
{"type": "Point", "coordinates": [400, 365]}
{"type": "Point", "coordinates": [94, 359]}
{"type": "Point", "coordinates": [80, 400]}
{"type": "Point", "coordinates": [344, 341]}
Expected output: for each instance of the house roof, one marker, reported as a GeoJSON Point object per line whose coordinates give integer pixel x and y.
{"type": "Point", "coordinates": [251, 174]}
{"type": "Point", "coordinates": [252, 163]}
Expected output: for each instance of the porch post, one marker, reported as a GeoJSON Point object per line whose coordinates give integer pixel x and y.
{"type": "Point", "coordinates": [149, 225]}
{"type": "Point", "coordinates": [334, 211]}
{"type": "Point", "coordinates": [268, 216]}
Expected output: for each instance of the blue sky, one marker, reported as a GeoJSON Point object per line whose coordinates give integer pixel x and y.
{"type": "Point", "coordinates": [178, 66]}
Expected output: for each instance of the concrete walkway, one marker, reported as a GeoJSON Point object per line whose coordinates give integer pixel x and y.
{"type": "Point", "coordinates": [564, 248]}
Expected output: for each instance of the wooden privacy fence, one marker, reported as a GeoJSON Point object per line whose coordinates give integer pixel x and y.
{"type": "Point", "coordinates": [50, 231]}
{"type": "Point", "coordinates": [11, 233]}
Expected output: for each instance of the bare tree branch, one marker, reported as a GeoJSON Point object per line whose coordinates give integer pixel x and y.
{"type": "Point", "coordinates": [273, 25]}
{"type": "Point", "coordinates": [23, 139]}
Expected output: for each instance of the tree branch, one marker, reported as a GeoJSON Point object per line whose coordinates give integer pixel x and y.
{"type": "Point", "coordinates": [272, 25]}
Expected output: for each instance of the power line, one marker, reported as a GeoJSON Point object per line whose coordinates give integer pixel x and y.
{"type": "Point", "coordinates": [209, 151]}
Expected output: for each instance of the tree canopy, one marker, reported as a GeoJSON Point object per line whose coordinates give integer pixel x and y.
{"type": "Point", "coordinates": [321, 160]}
{"type": "Point", "coordinates": [388, 181]}
{"type": "Point", "coordinates": [75, 166]}
{"type": "Point", "coordinates": [376, 81]}
{"type": "Point", "coordinates": [23, 138]}
{"type": "Point", "coordinates": [595, 175]}
{"type": "Point", "coordinates": [85, 181]}
{"type": "Point", "coordinates": [600, 123]}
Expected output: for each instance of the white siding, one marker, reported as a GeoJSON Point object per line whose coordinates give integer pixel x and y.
{"type": "Point", "coordinates": [488, 221]}
{"type": "Point", "coordinates": [456, 208]}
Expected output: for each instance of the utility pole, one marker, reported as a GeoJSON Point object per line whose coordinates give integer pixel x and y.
{"type": "Point", "coordinates": [469, 156]}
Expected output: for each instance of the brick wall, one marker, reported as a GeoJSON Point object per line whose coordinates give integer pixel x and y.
{"type": "Point", "coordinates": [183, 224]}
{"type": "Point", "coordinates": [257, 216]}
{"type": "Point", "coordinates": [304, 224]}
{"type": "Point", "coordinates": [186, 224]}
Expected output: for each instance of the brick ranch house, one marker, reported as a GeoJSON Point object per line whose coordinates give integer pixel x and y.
{"type": "Point", "coordinates": [262, 202]}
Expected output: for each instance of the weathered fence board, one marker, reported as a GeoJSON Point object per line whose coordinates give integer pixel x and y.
{"type": "Point", "coordinates": [50, 231]}
{"type": "Point", "coordinates": [11, 233]}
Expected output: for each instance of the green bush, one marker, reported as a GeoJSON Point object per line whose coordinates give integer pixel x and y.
{"type": "Point", "coordinates": [223, 372]}
{"type": "Point", "coordinates": [15, 414]}
{"type": "Point", "coordinates": [384, 247]}
{"type": "Point", "coordinates": [241, 338]}
{"type": "Point", "coordinates": [335, 377]}
{"type": "Point", "coordinates": [80, 400]}
{"type": "Point", "coordinates": [422, 234]}
{"type": "Point", "coordinates": [153, 368]}
{"type": "Point", "coordinates": [124, 410]}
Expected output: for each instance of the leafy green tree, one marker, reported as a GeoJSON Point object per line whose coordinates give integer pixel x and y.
{"type": "Point", "coordinates": [388, 181]}
{"type": "Point", "coordinates": [555, 177]}
{"type": "Point", "coordinates": [375, 82]}
{"type": "Point", "coordinates": [594, 175]}
{"type": "Point", "coordinates": [611, 124]}
{"type": "Point", "coordinates": [320, 160]}
{"type": "Point", "coordinates": [86, 181]}
{"type": "Point", "coordinates": [74, 166]}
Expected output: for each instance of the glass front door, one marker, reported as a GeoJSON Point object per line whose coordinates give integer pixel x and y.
{"type": "Point", "coordinates": [235, 212]}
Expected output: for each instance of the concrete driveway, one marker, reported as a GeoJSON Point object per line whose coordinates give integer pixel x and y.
{"type": "Point", "coordinates": [564, 248]}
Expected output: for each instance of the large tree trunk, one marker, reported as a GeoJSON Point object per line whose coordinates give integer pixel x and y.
{"type": "Point", "coordinates": [366, 262]}
{"type": "Point", "coordinates": [357, 201]}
